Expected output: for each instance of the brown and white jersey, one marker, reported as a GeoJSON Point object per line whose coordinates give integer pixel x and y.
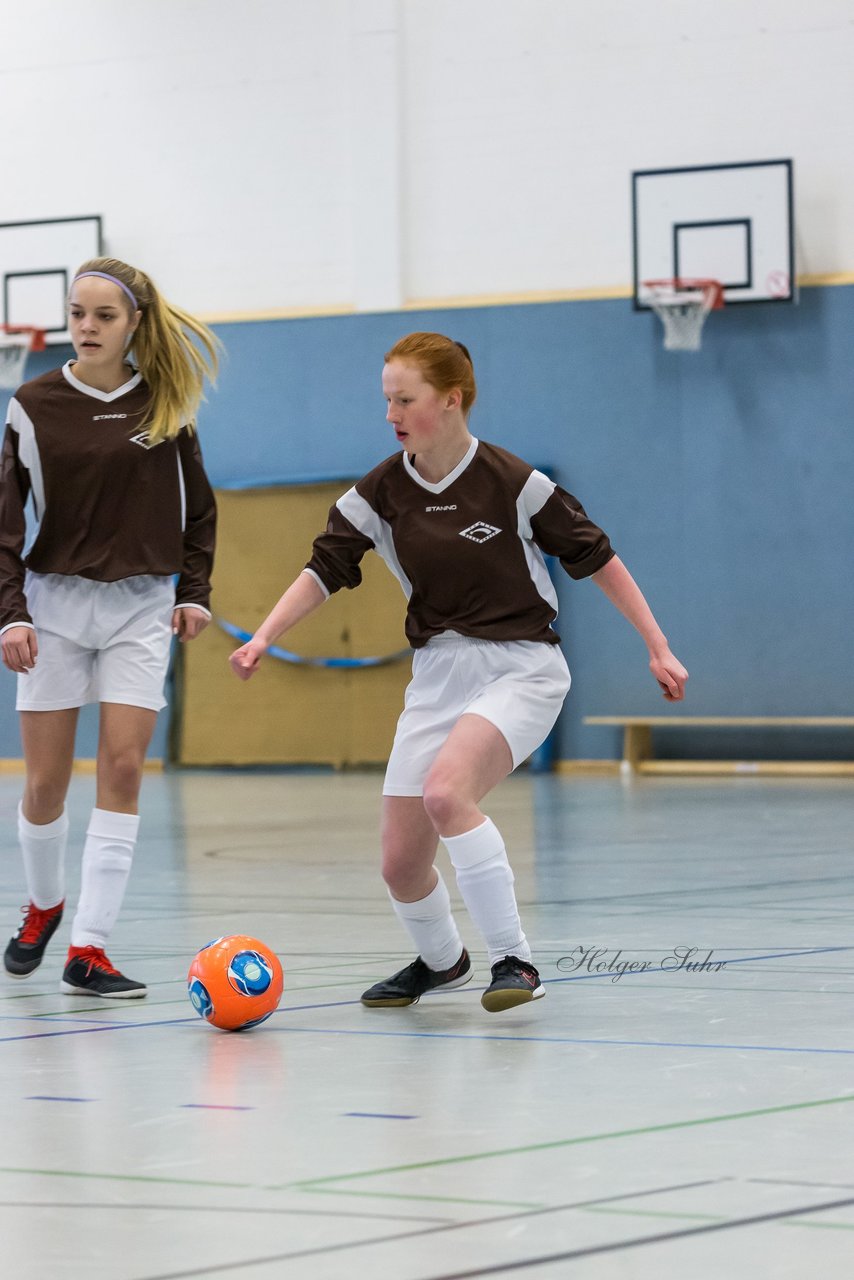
{"type": "Point", "coordinates": [468, 552]}
{"type": "Point", "coordinates": [108, 505]}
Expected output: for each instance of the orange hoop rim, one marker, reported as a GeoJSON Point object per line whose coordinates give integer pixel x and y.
{"type": "Point", "coordinates": [37, 336]}
{"type": "Point", "coordinates": [687, 284]}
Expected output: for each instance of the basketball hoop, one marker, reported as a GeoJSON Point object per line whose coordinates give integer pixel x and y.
{"type": "Point", "coordinates": [16, 343]}
{"type": "Point", "coordinates": [682, 306]}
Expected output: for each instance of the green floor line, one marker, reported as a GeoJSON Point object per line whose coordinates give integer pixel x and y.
{"type": "Point", "coordinates": [711, 1217]}
{"type": "Point", "coordinates": [128, 1177]}
{"type": "Point", "coordinates": [570, 1142]}
{"type": "Point", "coordinates": [251, 1186]}
{"type": "Point", "coordinates": [69, 1013]}
{"type": "Point", "coordinates": [822, 1226]}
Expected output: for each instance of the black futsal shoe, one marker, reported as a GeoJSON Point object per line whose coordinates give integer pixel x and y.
{"type": "Point", "coordinates": [408, 986]}
{"type": "Point", "coordinates": [24, 952]}
{"type": "Point", "coordinates": [514, 981]}
{"type": "Point", "coordinates": [89, 973]}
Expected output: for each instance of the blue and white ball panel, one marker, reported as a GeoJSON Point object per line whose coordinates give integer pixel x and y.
{"type": "Point", "coordinates": [200, 998]}
{"type": "Point", "coordinates": [256, 1022]}
{"type": "Point", "coordinates": [250, 973]}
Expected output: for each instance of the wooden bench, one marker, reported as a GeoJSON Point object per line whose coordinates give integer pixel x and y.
{"type": "Point", "coordinates": [639, 757]}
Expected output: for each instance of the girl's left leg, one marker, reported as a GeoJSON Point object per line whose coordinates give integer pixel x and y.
{"type": "Point", "coordinates": [472, 761]}
{"type": "Point", "coordinates": [125, 732]}
{"type": "Point", "coordinates": [124, 735]}
{"type": "Point", "coordinates": [474, 758]}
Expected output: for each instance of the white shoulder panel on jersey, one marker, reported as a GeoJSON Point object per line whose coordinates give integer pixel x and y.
{"type": "Point", "coordinates": [362, 516]}
{"type": "Point", "coordinates": [534, 495]}
{"type": "Point", "coordinates": [183, 492]}
{"type": "Point", "coordinates": [28, 451]}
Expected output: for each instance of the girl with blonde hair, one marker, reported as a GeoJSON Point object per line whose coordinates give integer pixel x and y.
{"type": "Point", "coordinates": [106, 450]}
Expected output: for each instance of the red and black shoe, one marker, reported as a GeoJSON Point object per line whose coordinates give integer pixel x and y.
{"type": "Point", "coordinates": [514, 981]}
{"type": "Point", "coordinates": [411, 983]}
{"type": "Point", "coordinates": [88, 972]}
{"type": "Point", "coordinates": [24, 952]}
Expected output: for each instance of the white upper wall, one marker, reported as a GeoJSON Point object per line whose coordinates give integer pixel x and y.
{"type": "Point", "coordinates": [273, 155]}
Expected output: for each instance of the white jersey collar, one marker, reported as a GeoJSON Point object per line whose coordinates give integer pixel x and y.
{"type": "Point", "coordinates": [449, 478]}
{"type": "Point", "coordinates": [106, 396]}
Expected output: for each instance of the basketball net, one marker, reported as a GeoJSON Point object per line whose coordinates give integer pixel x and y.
{"type": "Point", "coordinates": [15, 345]}
{"type": "Point", "coordinates": [682, 307]}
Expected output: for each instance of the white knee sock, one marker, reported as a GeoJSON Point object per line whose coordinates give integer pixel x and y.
{"type": "Point", "coordinates": [107, 857]}
{"type": "Point", "coordinates": [43, 848]}
{"type": "Point", "coordinates": [431, 927]}
{"type": "Point", "coordinates": [485, 880]}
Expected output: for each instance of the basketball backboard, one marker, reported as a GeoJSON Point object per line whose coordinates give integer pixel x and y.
{"type": "Point", "coordinates": [727, 222]}
{"type": "Point", "coordinates": [37, 264]}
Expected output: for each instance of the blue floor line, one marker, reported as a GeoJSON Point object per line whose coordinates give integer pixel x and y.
{"type": "Point", "coordinates": [338, 1004]}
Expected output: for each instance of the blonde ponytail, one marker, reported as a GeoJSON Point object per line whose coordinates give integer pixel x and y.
{"type": "Point", "coordinates": [173, 365]}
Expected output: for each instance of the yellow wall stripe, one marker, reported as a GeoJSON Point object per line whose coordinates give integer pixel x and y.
{"type": "Point", "coordinates": [528, 297]}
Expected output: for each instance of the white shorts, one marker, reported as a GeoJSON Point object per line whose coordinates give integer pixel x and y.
{"type": "Point", "coordinates": [518, 685]}
{"type": "Point", "coordinates": [98, 641]}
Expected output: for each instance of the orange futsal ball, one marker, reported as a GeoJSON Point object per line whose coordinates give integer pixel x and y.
{"type": "Point", "coordinates": [235, 982]}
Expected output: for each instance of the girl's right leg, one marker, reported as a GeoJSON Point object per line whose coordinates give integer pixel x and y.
{"type": "Point", "coordinates": [409, 844]}
{"type": "Point", "coordinates": [48, 742]}
{"type": "Point", "coordinates": [422, 905]}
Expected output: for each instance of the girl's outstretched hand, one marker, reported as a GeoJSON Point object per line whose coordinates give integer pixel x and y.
{"type": "Point", "coordinates": [245, 661]}
{"type": "Point", "coordinates": [670, 674]}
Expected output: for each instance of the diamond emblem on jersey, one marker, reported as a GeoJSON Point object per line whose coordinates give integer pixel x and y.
{"type": "Point", "coordinates": [141, 438]}
{"type": "Point", "coordinates": [479, 532]}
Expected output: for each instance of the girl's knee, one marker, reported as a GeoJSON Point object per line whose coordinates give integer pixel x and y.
{"type": "Point", "coordinates": [441, 801]}
{"type": "Point", "coordinates": [407, 876]}
{"type": "Point", "coordinates": [396, 871]}
{"type": "Point", "coordinates": [44, 798]}
{"type": "Point", "coordinates": [121, 773]}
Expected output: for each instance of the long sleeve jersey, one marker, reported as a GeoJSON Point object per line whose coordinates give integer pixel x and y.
{"type": "Point", "coordinates": [108, 505]}
{"type": "Point", "coordinates": [468, 552]}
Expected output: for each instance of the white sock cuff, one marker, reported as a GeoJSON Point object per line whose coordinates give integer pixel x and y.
{"type": "Point", "coordinates": [113, 826]}
{"type": "Point", "coordinates": [45, 831]}
{"type": "Point", "coordinates": [475, 846]}
{"type": "Point", "coordinates": [437, 903]}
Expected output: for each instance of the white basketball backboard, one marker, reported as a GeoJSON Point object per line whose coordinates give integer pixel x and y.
{"type": "Point", "coordinates": [38, 260]}
{"type": "Point", "coordinates": [727, 222]}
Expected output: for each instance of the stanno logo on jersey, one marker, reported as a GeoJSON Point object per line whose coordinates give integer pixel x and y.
{"type": "Point", "coordinates": [479, 532]}
{"type": "Point", "coordinates": [102, 417]}
{"type": "Point", "coordinates": [452, 507]}
{"type": "Point", "coordinates": [141, 438]}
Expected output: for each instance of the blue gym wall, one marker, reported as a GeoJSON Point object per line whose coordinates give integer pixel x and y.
{"type": "Point", "coordinates": [723, 478]}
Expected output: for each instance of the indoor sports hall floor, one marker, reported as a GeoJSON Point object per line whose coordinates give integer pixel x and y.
{"type": "Point", "coordinates": [666, 1123]}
